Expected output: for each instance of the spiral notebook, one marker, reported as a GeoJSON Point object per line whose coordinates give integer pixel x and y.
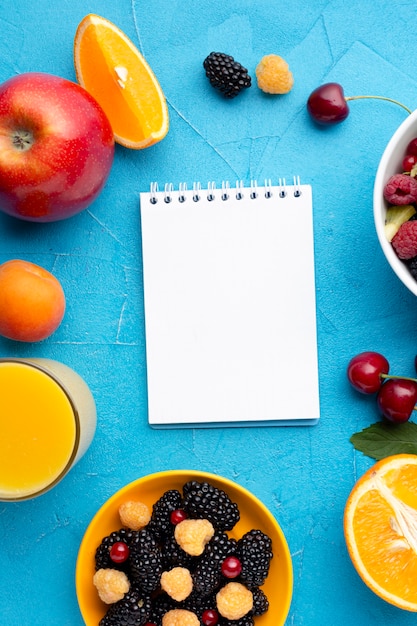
{"type": "Point", "coordinates": [230, 307]}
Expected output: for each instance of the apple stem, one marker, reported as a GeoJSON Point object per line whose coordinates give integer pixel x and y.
{"type": "Point", "coordinates": [379, 98]}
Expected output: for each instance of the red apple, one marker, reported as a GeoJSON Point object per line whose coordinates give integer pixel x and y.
{"type": "Point", "coordinates": [327, 104]}
{"type": "Point", "coordinates": [56, 147]}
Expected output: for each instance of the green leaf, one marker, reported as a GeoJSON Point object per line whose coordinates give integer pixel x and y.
{"type": "Point", "coordinates": [381, 440]}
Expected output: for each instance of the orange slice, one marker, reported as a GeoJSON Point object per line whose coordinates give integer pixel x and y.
{"type": "Point", "coordinates": [111, 68]}
{"type": "Point", "coordinates": [380, 525]}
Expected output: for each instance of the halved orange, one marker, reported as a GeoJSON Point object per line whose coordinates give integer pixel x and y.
{"type": "Point", "coordinates": [380, 525]}
{"type": "Point", "coordinates": [111, 68]}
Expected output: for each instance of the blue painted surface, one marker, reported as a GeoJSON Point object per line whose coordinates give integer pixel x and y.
{"type": "Point", "coordinates": [303, 475]}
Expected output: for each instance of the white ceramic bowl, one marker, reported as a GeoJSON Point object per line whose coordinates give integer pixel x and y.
{"type": "Point", "coordinates": [391, 164]}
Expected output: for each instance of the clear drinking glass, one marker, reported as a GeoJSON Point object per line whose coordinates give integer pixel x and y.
{"type": "Point", "coordinates": [47, 422]}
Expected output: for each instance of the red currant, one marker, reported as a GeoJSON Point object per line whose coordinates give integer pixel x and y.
{"type": "Point", "coordinates": [210, 617]}
{"type": "Point", "coordinates": [365, 371]}
{"type": "Point", "coordinates": [119, 552]}
{"type": "Point", "coordinates": [231, 567]}
{"type": "Point", "coordinates": [412, 147]}
{"type": "Point", "coordinates": [177, 516]}
{"type": "Point", "coordinates": [409, 162]}
{"type": "Point", "coordinates": [397, 398]}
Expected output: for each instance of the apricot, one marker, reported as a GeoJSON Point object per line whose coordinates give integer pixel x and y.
{"type": "Point", "coordinates": [32, 301]}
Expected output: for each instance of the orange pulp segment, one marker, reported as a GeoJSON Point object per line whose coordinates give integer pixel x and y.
{"type": "Point", "coordinates": [112, 70]}
{"type": "Point", "coordinates": [380, 525]}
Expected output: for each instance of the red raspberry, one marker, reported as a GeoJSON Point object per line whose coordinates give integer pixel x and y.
{"type": "Point", "coordinates": [401, 189]}
{"type": "Point", "coordinates": [405, 241]}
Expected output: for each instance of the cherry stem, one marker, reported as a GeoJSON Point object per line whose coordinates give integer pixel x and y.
{"type": "Point", "coordinates": [380, 98]}
{"type": "Point", "coordinates": [398, 377]}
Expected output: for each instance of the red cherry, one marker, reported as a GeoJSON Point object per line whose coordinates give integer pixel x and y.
{"type": "Point", "coordinates": [397, 398]}
{"type": "Point", "coordinates": [412, 147]}
{"type": "Point", "coordinates": [210, 617]}
{"type": "Point", "coordinates": [119, 552]}
{"type": "Point", "coordinates": [177, 516]}
{"type": "Point", "coordinates": [409, 162]}
{"type": "Point", "coordinates": [231, 567]}
{"type": "Point", "coordinates": [365, 371]}
{"type": "Point", "coordinates": [327, 104]}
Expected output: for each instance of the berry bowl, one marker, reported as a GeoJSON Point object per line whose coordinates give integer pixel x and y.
{"type": "Point", "coordinates": [253, 515]}
{"type": "Point", "coordinates": [390, 164]}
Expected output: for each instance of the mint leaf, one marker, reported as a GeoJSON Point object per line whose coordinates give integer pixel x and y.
{"type": "Point", "coordinates": [381, 440]}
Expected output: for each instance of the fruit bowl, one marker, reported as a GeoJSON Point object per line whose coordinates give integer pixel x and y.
{"type": "Point", "coordinates": [390, 164]}
{"type": "Point", "coordinates": [253, 514]}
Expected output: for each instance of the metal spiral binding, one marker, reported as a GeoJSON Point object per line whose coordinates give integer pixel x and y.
{"type": "Point", "coordinates": [153, 192]}
{"type": "Point", "coordinates": [226, 192]}
{"type": "Point", "coordinates": [183, 189]}
{"type": "Point", "coordinates": [211, 188]}
{"type": "Point", "coordinates": [196, 191]}
{"type": "Point", "coordinates": [297, 187]}
{"type": "Point", "coordinates": [268, 188]}
{"type": "Point", "coordinates": [169, 188]}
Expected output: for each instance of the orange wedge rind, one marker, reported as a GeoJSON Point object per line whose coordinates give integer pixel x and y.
{"type": "Point", "coordinates": [380, 525]}
{"type": "Point", "coordinates": [110, 67]}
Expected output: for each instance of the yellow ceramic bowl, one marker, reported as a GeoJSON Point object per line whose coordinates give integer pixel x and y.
{"type": "Point", "coordinates": [253, 514]}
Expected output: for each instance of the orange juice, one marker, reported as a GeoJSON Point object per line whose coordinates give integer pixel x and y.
{"type": "Point", "coordinates": [47, 420]}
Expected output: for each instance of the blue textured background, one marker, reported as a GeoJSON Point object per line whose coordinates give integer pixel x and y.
{"type": "Point", "coordinates": [303, 475]}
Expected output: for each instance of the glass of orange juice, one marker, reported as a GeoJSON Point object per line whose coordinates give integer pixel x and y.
{"type": "Point", "coordinates": [47, 422]}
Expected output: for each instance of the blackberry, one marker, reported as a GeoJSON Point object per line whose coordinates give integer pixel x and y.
{"type": "Point", "coordinates": [412, 266]}
{"type": "Point", "coordinates": [198, 604]}
{"type": "Point", "coordinates": [161, 604]}
{"type": "Point", "coordinates": [207, 575]}
{"type": "Point", "coordinates": [132, 610]}
{"type": "Point", "coordinates": [226, 74]}
{"type": "Point", "coordinates": [175, 556]}
{"type": "Point", "coordinates": [102, 555]}
{"type": "Point", "coordinates": [160, 523]}
{"type": "Point", "coordinates": [204, 501]}
{"type": "Point", "coordinates": [255, 554]}
{"type": "Point", "coordinates": [260, 602]}
{"type": "Point", "coordinates": [246, 620]}
{"type": "Point", "coordinates": [146, 561]}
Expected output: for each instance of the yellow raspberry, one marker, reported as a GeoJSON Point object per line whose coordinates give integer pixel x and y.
{"type": "Point", "coordinates": [134, 515]}
{"type": "Point", "coordinates": [273, 75]}
{"type": "Point", "coordinates": [234, 600]}
{"type": "Point", "coordinates": [177, 583]}
{"type": "Point", "coordinates": [180, 617]}
{"type": "Point", "coordinates": [111, 585]}
{"type": "Point", "coordinates": [192, 535]}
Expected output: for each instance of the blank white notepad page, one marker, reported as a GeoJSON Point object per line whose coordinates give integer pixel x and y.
{"type": "Point", "coordinates": [230, 313]}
